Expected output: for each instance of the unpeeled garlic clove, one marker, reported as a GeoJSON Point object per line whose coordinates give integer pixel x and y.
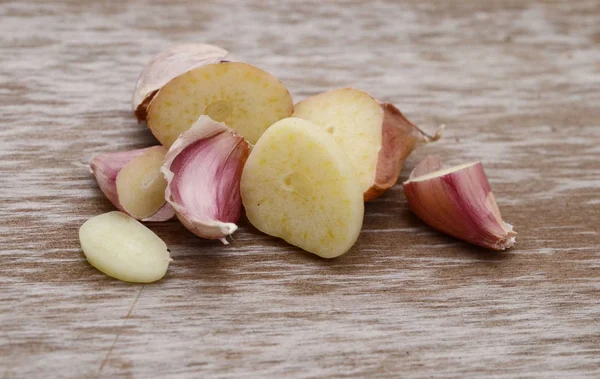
{"type": "Point", "coordinates": [458, 201]}
{"type": "Point", "coordinates": [108, 169]}
{"type": "Point", "coordinates": [169, 64]}
{"type": "Point", "coordinates": [203, 169]}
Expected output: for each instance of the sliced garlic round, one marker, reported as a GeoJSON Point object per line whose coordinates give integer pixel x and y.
{"type": "Point", "coordinates": [300, 186]}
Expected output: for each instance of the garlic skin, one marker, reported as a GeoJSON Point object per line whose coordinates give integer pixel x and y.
{"type": "Point", "coordinates": [400, 138]}
{"type": "Point", "coordinates": [430, 164]}
{"type": "Point", "coordinates": [106, 168]}
{"type": "Point", "coordinates": [169, 64]}
{"type": "Point", "coordinates": [458, 201]}
{"type": "Point", "coordinates": [203, 169]}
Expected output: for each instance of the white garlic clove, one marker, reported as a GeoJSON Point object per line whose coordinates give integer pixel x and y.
{"type": "Point", "coordinates": [168, 65]}
{"type": "Point", "coordinates": [203, 169]}
{"type": "Point", "coordinates": [459, 201]}
{"type": "Point", "coordinates": [132, 181]}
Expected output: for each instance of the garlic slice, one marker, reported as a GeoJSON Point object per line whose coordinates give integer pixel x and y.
{"type": "Point", "coordinates": [458, 201]}
{"type": "Point", "coordinates": [132, 181]}
{"type": "Point", "coordinates": [169, 64]}
{"type": "Point", "coordinates": [203, 169]}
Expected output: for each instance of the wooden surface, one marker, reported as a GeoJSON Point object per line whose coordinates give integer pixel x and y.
{"type": "Point", "coordinates": [518, 85]}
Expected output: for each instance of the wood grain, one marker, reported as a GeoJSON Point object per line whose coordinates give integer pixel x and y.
{"type": "Point", "coordinates": [516, 82]}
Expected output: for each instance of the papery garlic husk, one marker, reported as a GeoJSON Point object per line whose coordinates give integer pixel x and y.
{"type": "Point", "coordinates": [132, 181]}
{"type": "Point", "coordinates": [430, 164]}
{"type": "Point", "coordinates": [458, 201]}
{"type": "Point", "coordinates": [400, 138]}
{"type": "Point", "coordinates": [203, 169]}
{"type": "Point", "coordinates": [169, 64]}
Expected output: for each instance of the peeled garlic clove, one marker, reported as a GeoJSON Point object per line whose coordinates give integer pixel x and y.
{"type": "Point", "coordinates": [168, 65]}
{"type": "Point", "coordinates": [132, 181]}
{"type": "Point", "coordinates": [459, 201]}
{"type": "Point", "coordinates": [123, 248]}
{"type": "Point", "coordinates": [203, 169]}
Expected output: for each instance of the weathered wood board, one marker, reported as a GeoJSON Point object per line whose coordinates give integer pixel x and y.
{"type": "Point", "coordinates": [516, 82]}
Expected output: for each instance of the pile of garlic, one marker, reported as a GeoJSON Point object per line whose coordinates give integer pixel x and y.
{"type": "Point", "coordinates": [231, 139]}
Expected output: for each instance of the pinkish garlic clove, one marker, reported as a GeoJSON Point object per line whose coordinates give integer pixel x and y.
{"type": "Point", "coordinates": [203, 169]}
{"type": "Point", "coordinates": [132, 181]}
{"type": "Point", "coordinates": [169, 64]}
{"type": "Point", "coordinates": [458, 201]}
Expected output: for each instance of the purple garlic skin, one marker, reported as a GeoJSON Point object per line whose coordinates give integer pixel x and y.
{"type": "Point", "coordinates": [459, 202]}
{"type": "Point", "coordinates": [203, 170]}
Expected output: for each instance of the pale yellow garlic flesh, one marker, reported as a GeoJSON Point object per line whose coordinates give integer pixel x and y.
{"type": "Point", "coordinates": [354, 119]}
{"type": "Point", "coordinates": [376, 136]}
{"type": "Point", "coordinates": [140, 184]}
{"type": "Point", "coordinates": [123, 248]}
{"type": "Point", "coordinates": [299, 185]}
{"type": "Point", "coordinates": [246, 98]}
{"type": "Point", "coordinates": [458, 201]}
{"type": "Point", "coordinates": [203, 169]}
{"type": "Point", "coordinates": [169, 64]}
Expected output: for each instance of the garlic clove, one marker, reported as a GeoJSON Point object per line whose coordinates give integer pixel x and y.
{"type": "Point", "coordinates": [203, 169]}
{"type": "Point", "coordinates": [132, 181]}
{"type": "Point", "coordinates": [123, 248]}
{"type": "Point", "coordinates": [459, 201]}
{"type": "Point", "coordinates": [168, 65]}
